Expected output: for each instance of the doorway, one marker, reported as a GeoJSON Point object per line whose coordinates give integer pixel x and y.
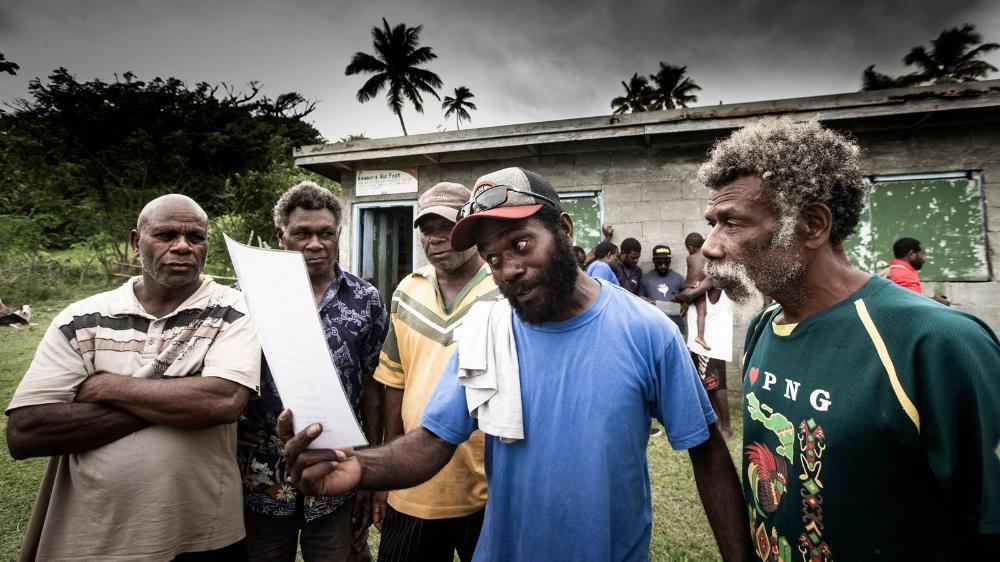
{"type": "Point", "coordinates": [384, 244]}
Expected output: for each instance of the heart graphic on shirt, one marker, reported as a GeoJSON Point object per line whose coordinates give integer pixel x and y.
{"type": "Point", "coordinates": [753, 376]}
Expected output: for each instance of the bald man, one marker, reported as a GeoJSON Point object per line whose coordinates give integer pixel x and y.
{"type": "Point", "coordinates": [134, 394]}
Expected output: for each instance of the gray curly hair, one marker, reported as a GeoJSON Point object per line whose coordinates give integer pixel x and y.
{"type": "Point", "coordinates": [799, 163]}
{"type": "Point", "coordinates": [305, 195]}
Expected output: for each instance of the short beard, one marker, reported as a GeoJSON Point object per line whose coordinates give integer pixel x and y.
{"type": "Point", "coordinates": [461, 258]}
{"type": "Point", "coordinates": [146, 259]}
{"type": "Point", "coordinates": [558, 280]}
{"type": "Point", "coordinates": [772, 270]}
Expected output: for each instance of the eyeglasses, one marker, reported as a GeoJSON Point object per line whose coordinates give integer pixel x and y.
{"type": "Point", "coordinates": [493, 197]}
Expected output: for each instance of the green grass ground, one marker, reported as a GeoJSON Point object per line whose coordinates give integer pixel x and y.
{"type": "Point", "coordinates": [680, 530]}
{"type": "Point", "coordinates": [19, 479]}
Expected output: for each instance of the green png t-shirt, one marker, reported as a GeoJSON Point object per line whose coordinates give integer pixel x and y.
{"type": "Point", "coordinates": [871, 430]}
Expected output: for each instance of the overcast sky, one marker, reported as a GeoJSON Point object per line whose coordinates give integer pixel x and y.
{"type": "Point", "coordinates": [524, 61]}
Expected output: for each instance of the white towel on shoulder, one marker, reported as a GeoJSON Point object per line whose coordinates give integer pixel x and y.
{"type": "Point", "coordinates": [488, 369]}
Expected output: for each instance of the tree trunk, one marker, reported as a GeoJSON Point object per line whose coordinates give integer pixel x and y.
{"type": "Point", "coordinates": [458, 126]}
{"type": "Point", "coordinates": [401, 124]}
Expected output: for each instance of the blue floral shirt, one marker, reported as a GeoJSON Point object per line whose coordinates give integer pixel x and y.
{"type": "Point", "coordinates": [355, 323]}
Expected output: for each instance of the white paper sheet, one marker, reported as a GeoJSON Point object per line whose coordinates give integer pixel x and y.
{"type": "Point", "coordinates": [718, 329]}
{"type": "Point", "coordinates": [669, 308]}
{"type": "Point", "coordinates": [276, 286]}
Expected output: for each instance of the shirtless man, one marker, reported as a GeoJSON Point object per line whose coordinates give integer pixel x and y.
{"type": "Point", "coordinates": [695, 277]}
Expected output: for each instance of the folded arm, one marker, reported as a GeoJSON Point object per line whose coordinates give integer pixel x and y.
{"type": "Point", "coordinates": [188, 403]}
{"type": "Point", "coordinates": [60, 429]}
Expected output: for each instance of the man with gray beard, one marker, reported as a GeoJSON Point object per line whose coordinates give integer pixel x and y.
{"type": "Point", "coordinates": [864, 436]}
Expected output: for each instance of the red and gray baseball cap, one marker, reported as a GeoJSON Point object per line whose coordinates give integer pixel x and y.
{"type": "Point", "coordinates": [525, 193]}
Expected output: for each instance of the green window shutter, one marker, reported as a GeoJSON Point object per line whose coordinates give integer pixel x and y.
{"type": "Point", "coordinates": [943, 211]}
{"type": "Point", "coordinates": [586, 211]}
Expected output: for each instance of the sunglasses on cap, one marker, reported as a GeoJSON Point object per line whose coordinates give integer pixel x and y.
{"type": "Point", "coordinates": [492, 197]}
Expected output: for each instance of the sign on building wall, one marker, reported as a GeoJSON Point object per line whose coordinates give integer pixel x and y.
{"type": "Point", "coordinates": [385, 182]}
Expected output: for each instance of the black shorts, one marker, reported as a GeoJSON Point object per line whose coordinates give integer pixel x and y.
{"type": "Point", "coordinates": [406, 538]}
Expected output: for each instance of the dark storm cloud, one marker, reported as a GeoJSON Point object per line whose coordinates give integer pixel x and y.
{"type": "Point", "coordinates": [562, 58]}
{"type": "Point", "coordinates": [564, 50]}
{"type": "Point", "coordinates": [6, 23]}
{"type": "Point", "coordinates": [524, 61]}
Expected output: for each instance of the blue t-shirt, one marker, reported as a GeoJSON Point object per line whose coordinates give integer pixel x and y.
{"type": "Point", "coordinates": [601, 270]}
{"type": "Point", "coordinates": [577, 486]}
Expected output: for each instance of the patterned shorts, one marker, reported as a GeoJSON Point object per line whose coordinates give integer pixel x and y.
{"type": "Point", "coordinates": [711, 371]}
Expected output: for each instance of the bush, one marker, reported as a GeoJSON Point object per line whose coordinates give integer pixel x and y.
{"type": "Point", "coordinates": [28, 273]}
{"type": "Point", "coordinates": [218, 262]}
{"type": "Point", "coordinates": [31, 277]}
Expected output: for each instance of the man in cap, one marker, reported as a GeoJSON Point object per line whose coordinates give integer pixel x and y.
{"type": "Point", "coordinates": [871, 422]}
{"type": "Point", "coordinates": [134, 394]}
{"type": "Point", "coordinates": [566, 458]}
{"type": "Point", "coordinates": [662, 283]}
{"type": "Point", "coordinates": [442, 516]}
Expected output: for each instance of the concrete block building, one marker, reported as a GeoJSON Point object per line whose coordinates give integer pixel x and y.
{"type": "Point", "coordinates": [931, 154]}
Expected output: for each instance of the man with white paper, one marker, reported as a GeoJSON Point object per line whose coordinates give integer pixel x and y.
{"type": "Point", "coordinates": [354, 321]}
{"type": "Point", "coordinates": [661, 283]}
{"type": "Point", "coordinates": [579, 368]}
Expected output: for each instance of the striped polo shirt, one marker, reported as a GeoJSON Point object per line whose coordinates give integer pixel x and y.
{"type": "Point", "coordinates": [162, 490]}
{"type": "Point", "coordinates": [422, 337]}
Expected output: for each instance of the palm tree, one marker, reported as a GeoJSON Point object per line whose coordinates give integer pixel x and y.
{"type": "Point", "coordinates": [8, 66]}
{"type": "Point", "coordinates": [673, 89]}
{"type": "Point", "coordinates": [953, 57]}
{"type": "Point", "coordinates": [395, 67]}
{"type": "Point", "coordinates": [872, 79]}
{"type": "Point", "coordinates": [638, 96]}
{"type": "Point", "coordinates": [459, 105]}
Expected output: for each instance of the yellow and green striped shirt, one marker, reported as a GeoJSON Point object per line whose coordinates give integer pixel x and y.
{"type": "Point", "coordinates": [421, 339]}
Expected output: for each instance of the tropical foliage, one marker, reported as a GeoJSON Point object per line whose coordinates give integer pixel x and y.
{"type": "Point", "coordinates": [459, 105]}
{"type": "Point", "coordinates": [395, 68]}
{"type": "Point", "coordinates": [673, 89]}
{"type": "Point", "coordinates": [668, 88]}
{"type": "Point", "coordinates": [954, 56]}
{"type": "Point", "coordinates": [78, 160]}
{"type": "Point", "coordinates": [10, 67]}
{"type": "Point", "coordinates": [639, 96]}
